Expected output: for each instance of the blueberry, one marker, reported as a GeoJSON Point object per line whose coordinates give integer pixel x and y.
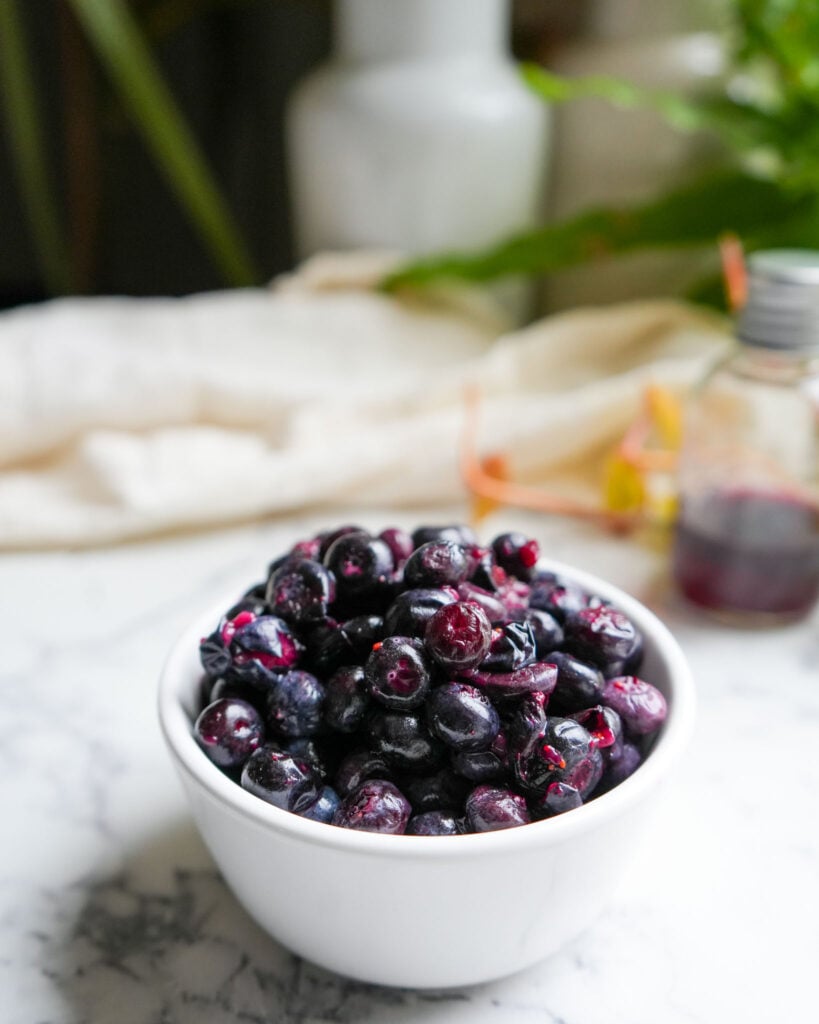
{"type": "Point", "coordinates": [229, 730]}
{"type": "Point", "coordinates": [309, 548]}
{"type": "Point", "coordinates": [411, 610]}
{"type": "Point", "coordinates": [585, 774]}
{"type": "Point", "coordinates": [462, 716]}
{"type": "Point", "coordinates": [525, 719]}
{"type": "Point", "coordinates": [557, 597]}
{"type": "Point", "coordinates": [483, 765]}
{"type": "Point", "coordinates": [230, 686]}
{"type": "Point", "coordinates": [603, 636]}
{"type": "Point", "coordinates": [489, 808]}
{"type": "Point", "coordinates": [261, 646]}
{"type": "Point", "coordinates": [301, 591]}
{"type": "Point", "coordinates": [348, 699]}
{"type": "Point", "coordinates": [280, 779]}
{"type": "Point", "coordinates": [494, 608]}
{"type": "Point", "coordinates": [360, 564]}
{"type": "Point", "coordinates": [442, 790]}
{"type": "Point", "coordinates": [294, 704]}
{"type": "Point", "coordinates": [547, 631]}
{"type": "Point", "coordinates": [539, 676]}
{"type": "Point", "coordinates": [433, 823]}
{"type": "Point", "coordinates": [436, 564]}
{"type": "Point", "coordinates": [640, 705]}
{"type": "Point", "coordinates": [484, 571]}
{"type": "Point", "coordinates": [358, 766]}
{"type": "Point", "coordinates": [558, 798]}
{"type": "Point", "coordinates": [376, 806]}
{"type": "Point", "coordinates": [306, 750]}
{"type": "Point", "coordinates": [516, 553]}
{"type": "Point", "coordinates": [361, 632]}
{"type": "Point", "coordinates": [551, 755]}
{"type": "Point", "coordinates": [329, 537]}
{"type": "Point", "coordinates": [620, 768]}
{"type": "Point", "coordinates": [398, 673]}
{"type": "Point", "coordinates": [459, 636]}
{"type": "Point", "coordinates": [405, 742]}
{"type": "Point", "coordinates": [399, 542]}
{"type": "Point", "coordinates": [324, 807]}
{"type": "Point", "coordinates": [458, 534]}
{"type": "Point", "coordinates": [579, 685]}
{"type": "Point", "coordinates": [604, 726]}
{"type": "Point", "coordinates": [512, 647]}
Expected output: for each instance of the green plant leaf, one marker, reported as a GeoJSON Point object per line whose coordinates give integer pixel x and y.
{"type": "Point", "coordinates": [692, 216]}
{"type": "Point", "coordinates": [122, 48]}
{"type": "Point", "coordinates": [28, 150]}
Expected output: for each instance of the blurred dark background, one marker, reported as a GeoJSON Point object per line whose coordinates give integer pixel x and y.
{"type": "Point", "coordinates": [230, 65]}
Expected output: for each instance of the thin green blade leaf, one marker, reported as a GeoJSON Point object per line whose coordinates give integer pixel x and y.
{"type": "Point", "coordinates": [122, 48]}
{"type": "Point", "coordinates": [691, 216]}
{"type": "Point", "coordinates": [28, 150]}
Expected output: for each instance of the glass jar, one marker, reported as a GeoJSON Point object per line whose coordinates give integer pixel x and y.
{"type": "Point", "coordinates": [747, 537]}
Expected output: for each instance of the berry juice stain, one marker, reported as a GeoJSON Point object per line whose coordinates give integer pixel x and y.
{"type": "Point", "coordinates": [749, 552]}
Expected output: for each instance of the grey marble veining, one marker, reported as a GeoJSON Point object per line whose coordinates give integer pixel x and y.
{"type": "Point", "coordinates": [112, 911]}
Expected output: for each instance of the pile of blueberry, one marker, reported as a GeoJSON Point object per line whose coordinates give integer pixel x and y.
{"type": "Point", "coordinates": [424, 684]}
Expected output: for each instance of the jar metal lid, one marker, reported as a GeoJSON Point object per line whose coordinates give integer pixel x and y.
{"type": "Point", "coordinates": [782, 310]}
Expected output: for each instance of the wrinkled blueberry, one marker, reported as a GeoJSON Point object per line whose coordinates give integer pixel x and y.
{"type": "Point", "coordinates": [301, 591]}
{"type": "Point", "coordinates": [462, 716]}
{"type": "Point", "coordinates": [280, 779]}
{"type": "Point", "coordinates": [512, 647]}
{"type": "Point", "coordinates": [525, 719]}
{"type": "Point", "coordinates": [603, 636]}
{"type": "Point", "coordinates": [539, 676]}
{"type": "Point", "coordinates": [405, 742]}
{"type": "Point", "coordinates": [604, 726]}
{"type": "Point", "coordinates": [261, 646]}
{"type": "Point", "coordinates": [489, 808]}
{"type": "Point", "coordinates": [552, 755]}
{"type": "Point", "coordinates": [294, 704]}
{"type": "Point", "coordinates": [398, 672]}
{"type": "Point", "coordinates": [484, 571]}
{"type": "Point", "coordinates": [436, 564]}
{"type": "Point", "coordinates": [494, 608]}
{"type": "Point", "coordinates": [516, 553]}
{"type": "Point", "coordinates": [547, 631]}
{"type": "Point", "coordinates": [433, 823]}
{"type": "Point", "coordinates": [376, 806]}
{"type": "Point", "coordinates": [640, 705]}
{"type": "Point", "coordinates": [557, 597]}
{"type": "Point", "coordinates": [229, 730]}
{"type": "Point", "coordinates": [459, 636]}
{"type": "Point", "coordinates": [347, 700]}
{"type": "Point", "coordinates": [410, 612]}
{"type": "Point", "coordinates": [579, 685]}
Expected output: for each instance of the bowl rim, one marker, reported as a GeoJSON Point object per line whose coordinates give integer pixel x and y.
{"type": "Point", "coordinates": [182, 672]}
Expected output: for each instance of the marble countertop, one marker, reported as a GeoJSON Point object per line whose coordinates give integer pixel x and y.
{"type": "Point", "coordinates": [112, 911]}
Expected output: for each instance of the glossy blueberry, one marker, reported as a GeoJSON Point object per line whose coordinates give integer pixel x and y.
{"type": "Point", "coordinates": [442, 790]}
{"type": "Point", "coordinates": [360, 564]}
{"type": "Point", "coordinates": [361, 632]}
{"type": "Point", "coordinates": [261, 646]}
{"type": "Point", "coordinates": [294, 704]}
{"type": "Point", "coordinates": [483, 765]}
{"type": "Point", "coordinates": [358, 766]}
{"type": "Point", "coordinates": [459, 636]}
{"type": "Point", "coordinates": [494, 608]}
{"type": "Point", "coordinates": [433, 823]}
{"type": "Point", "coordinates": [405, 742]}
{"type": "Point", "coordinates": [411, 610]}
{"type": "Point", "coordinates": [586, 773]}
{"type": "Point", "coordinates": [552, 755]}
{"type": "Point", "coordinates": [547, 631]}
{"type": "Point", "coordinates": [602, 636]}
{"type": "Point", "coordinates": [398, 673]}
{"type": "Point", "coordinates": [281, 780]}
{"type": "Point", "coordinates": [324, 807]}
{"type": "Point", "coordinates": [329, 537]}
{"type": "Point", "coordinates": [558, 798]}
{"type": "Point", "coordinates": [604, 726]}
{"type": "Point", "coordinates": [376, 806]}
{"type": "Point", "coordinates": [229, 730]}
{"type": "Point", "coordinates": [484, 571]}
{"type": "Point", "coordinates": [436, 564]}
{"type": "Point", "coordinates": [462, 716]}
{"type": "Point", "coordinates": [540, 675]}
{"type": "Point", "coordinates": [512, 647]}
{"type": "Point", "coordinates": [301, 591]}
{"type": "Point", "coordinates": [640, 705]}
{"type": "Point", "coordinates": [516, 553]}
{"type": "Point", "coordinates": [489, 808]}
{"type": "Point", "coordinates": [348, 699]}
{"type": "Point", "coordinates": [525, 719]}
{"type": "Point", "coordinates": [579, 685]}
{"type": "Point", "coordinates": [557, 597]}
{"type": "Point", "coordinates": [456, 533]}
{"type": "Point", "coordinates": [307, 750]}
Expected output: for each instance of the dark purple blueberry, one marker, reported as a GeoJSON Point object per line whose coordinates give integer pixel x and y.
{"type": "Point", "coordinates": [489, 808]}
{"type": "Point", "coordinates": [539, 676]}
{"type": "Point", "coordinates": [362, 632]}
{"type": "Point", "coordinates": [294, 704]}
{"type": "Point", "coordinates": [512, 647]}
{"type": "Point", "coordinates": [410, 612]}
{"type": "Point", "coordinates": [483, 765]}
{"type": "Point", "coordinates": [306, 750]}
{"type": "Point", "coordinates": [558, 798]}
{"type": "Point", "coordinates": [261, 646]}
{"type": "Point", "coordinates": [603, 636]}
{"type": "Point", "coordinates": [552, 755]}
{"type": "Point", "coordinates": [484, 571]}
{"type": "Point", "coordinates": [557, 597]}
{"type": "Point", "coordinates": [324, 807]}
{"type": "Point", "coordinates": [348, 699]}
{"type": "Point", "coordinates": [433, 823]}
{"type": "Point", "coordinates": [229, 730]}
{"type": "Point", "coordinates": [495, 609]}
{"type": "Point", "coordinates": [525, 719]}
{"type": "Point", "coordinates": [604, 726]}
{"type": "Point", "coordinates": [214, 654]}
{"type": "Point", "coordinates": [436, 564]}
{"type": "Point", "coordinates": [640, 705]}
{"type": "Point", "coordinates": [358, 766]}
{"type": "Point", "coordinates": [329, 537]}
{"type": "Point", "coordinates": [442, 790]}
{"type": "Point", "coordinates": [547, 631]}
{"type": "Point", "coordinates": [456, 533]}
{"type": "Point", "coordinates": [579, 685]}
{"type": "Point", "coordinates": [516, 553]}
{"type": "Point", "coordinates": [301, 591]}
{"type": "Point", "coordinates": [398, 673]}
{"type": "Point", "coordinates": [459, 636]}
{"type": "Point", "coordinates": [514, 595]}
{"type": "Point", "coordinates": [462, 716]}
{"type": "Point", "coordinates": [405, 742]}
{"type": "Point", "coordinates": [281, 780]}
{"type": "Point", "coordinates": [376, 806]}
{"type": "Point", "coordinates": [586, 773]}
{"type": "Point", "coordinates": [309, 548]}
{"type": "Point", "coordinates": [232, 687]}
{"type": "Point", "coordinates": [331, 645]}
{"type": "Point", "coordinates": [399, 542]}
{"type": "Point", "coordinates": [360, 563]}
{"type": "Point", "coordinates": [620, 768]}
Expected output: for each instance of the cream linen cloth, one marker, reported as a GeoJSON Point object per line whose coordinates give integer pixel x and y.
{"type": "Point", "coordinates": [121, 418]}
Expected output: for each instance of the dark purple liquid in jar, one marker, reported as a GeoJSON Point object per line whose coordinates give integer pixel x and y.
{"type": "Point", "coordinates": [749, 552]}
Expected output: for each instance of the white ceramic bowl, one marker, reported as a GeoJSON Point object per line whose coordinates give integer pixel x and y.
{"type": "Point", "coordinates": [422, 911]}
